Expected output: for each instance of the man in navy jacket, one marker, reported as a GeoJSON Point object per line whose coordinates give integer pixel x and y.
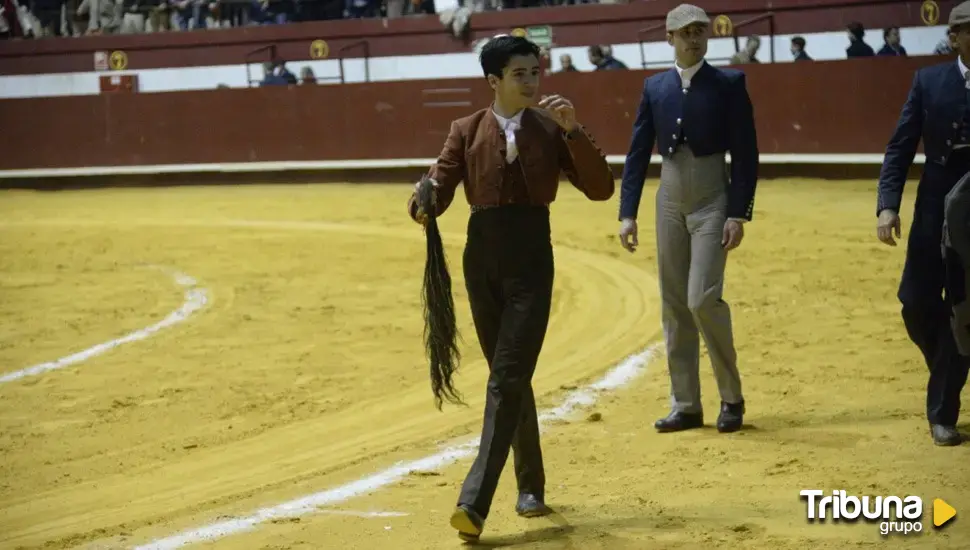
{"type": "Point", "coordinates": [937, 112]}
{"type": "Point", "coordinates": [695, 113]}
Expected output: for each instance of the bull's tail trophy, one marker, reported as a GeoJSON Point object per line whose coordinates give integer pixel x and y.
{"type": "Point", "coordinates": [440, 327]}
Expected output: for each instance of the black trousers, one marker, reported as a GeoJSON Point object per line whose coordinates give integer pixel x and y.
{"type": "Point", "coordinates": [508, 267]}
{"type": "Point", "coordinates": [926, 311]}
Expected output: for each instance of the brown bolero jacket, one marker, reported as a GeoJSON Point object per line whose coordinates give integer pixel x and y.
{"type": "Point", "coordinates": [474, 153]}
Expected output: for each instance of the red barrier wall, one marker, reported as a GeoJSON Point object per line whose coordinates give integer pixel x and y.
{"type": "Point", "coordinates": [822, 107]}
{"type": "Point", "coordinates": [572, 26]}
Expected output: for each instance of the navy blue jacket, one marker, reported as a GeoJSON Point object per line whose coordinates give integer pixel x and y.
{"type": "Point", "coordinates": [715, 115]}
{"type": "Point", "coordinates": [933, 113]}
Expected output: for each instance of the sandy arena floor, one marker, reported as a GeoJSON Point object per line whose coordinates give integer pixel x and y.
{"type": "Point", "coordinates": [293, 365]}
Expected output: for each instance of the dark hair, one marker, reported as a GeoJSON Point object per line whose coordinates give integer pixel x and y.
{"type": "Point", "coordinates": [798, 41]}
{"type": "Point", "coordinates": [885, 33]}
{"type": "Point", "coordinates": [497, 53]}
{"type": "Point", "coordinates": [856, 29]}
{"type": "Point", "coordinates": [596, 51]}
{"type": "Point", "coordinates": [440, 328]}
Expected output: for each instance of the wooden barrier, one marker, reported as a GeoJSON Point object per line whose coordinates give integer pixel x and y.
{"type": "Point", "coordinates": [839, 107]}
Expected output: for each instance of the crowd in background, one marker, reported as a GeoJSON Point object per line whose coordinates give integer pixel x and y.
{"type": "Point", "coordinates": [42, 18]}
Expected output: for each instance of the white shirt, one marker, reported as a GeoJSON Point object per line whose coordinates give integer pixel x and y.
{"type": "Point", "coordinates": [509, 126]}
{"type": "Point", "coordinates": [687, 74]}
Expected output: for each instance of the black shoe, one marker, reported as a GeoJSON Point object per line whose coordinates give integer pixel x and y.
{"type": "Point", "coordinates": [531, 506]}
{"type": "Point", "coordinates": [678, 421]}
{"type": "Point", "coordinates": [468, 523]}
{"type": "Point", "coordinates": [731, 417]}
{"type": "Point", "coordinates": [945, 436]}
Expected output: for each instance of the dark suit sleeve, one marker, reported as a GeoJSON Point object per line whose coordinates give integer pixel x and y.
{"type": "Point", "coordinates": [901, 150]}
{"type": "Point", "coordinates": [448, 171]}
{"type": "Point", "coordinates": [585, 165]}
{"type": "Point", "coordinates": [743, 146]}
{"type": "Point", "coordinates": [638, 158]}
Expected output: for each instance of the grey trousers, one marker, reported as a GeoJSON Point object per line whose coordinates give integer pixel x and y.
{"type": "Point", "coordinates": [691, 211]}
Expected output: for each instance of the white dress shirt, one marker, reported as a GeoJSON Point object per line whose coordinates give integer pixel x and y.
{"type": "Point", "coordinates": [509, 126]}
{"type": "Point", "coordinates": [687, 74]}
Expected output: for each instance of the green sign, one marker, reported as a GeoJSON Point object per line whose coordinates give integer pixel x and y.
{"type": "Point", "coordinates": [541, 36]}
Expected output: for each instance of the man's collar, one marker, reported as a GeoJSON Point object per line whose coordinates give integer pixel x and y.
{"type": "Point", "coordinates": [689, 72]}
{"type": "Point", "coordinates": [963, 68]}
{"type": "Point", "coordinates": [504, 121]}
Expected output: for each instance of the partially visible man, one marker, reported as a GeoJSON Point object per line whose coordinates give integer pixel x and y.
{"type": "Point", "coordinates": [857, 41]}
{"type": "Point", "coordinates": [566, 64]}
{"type": "Point", "coordinates": [956, 255]}
{"type": "Point", "coordinates": [696, 113]}
{"type": "Point", "coordinates": [798, 52]}
{"type": "Point", "coordinates": [937, 112]}
{"type": "Point", "coordinates": [750, 52]}
{"type": "Point", "coordinates": [893, 44]}
{"type": "Point", "coordinates": [603, 60]}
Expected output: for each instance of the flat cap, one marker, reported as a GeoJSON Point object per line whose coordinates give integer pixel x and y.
{"type": "Point", "coordinates": [686, 14]}
{"type": "Point", "coordinates": [960, 14]}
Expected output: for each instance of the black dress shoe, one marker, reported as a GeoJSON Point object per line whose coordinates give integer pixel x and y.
{"type": "Point", "coordinates": [731, 417]}
{"type": "Point", "coordinates": [945, 436]}
{"type": "Point", "coordinates": [531, 506]}
{"type": "Point", "coordinates": [467, 522]}
{"type": "Point", "coordinates": [677, 421]}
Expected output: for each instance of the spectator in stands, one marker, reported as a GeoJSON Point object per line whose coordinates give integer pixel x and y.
{"type": "Point", "coordinates": [857, 44]}
{"type": "Point", "coordinates": [943, 47]}
{"type": "Point", "coordinates": [566, 63]}
{"type": "Point", "coordinates": [159, 16]}
{"type": "Point", "coordinates": [103, 16]}
{"type": "Point", "coordinates": [892, 44]}
{"type": "Point", "coordinates": [264, 12]}
{"type": "Point", "coordinates": [8, 19]}
{"type": "Point", "coordinates": [307, 76]}
{"type": "Point", "coordinates": [360, 9]}
{"type": "Point", "coordinates": [276, 74]}
{"type": "Point", "coordinates": [798, 49]}
{"type": "Point", "coordinates": [603, 61]}
{"type": "Point", "coordinates": [132, 16]}
{"type": "Point", "coordinates": [48, 15]}
{"type": "Point", "coordinates": [749, 53]}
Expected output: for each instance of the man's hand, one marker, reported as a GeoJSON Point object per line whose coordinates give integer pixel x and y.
{"type": "Point", "coordinates": [732, 235]}
{"type": "Point", "coordinates": [628, 234]}
{"type": "Point", "coordinates": [888, 223]}
{"type": "Point", "coordinates": [561, 109]}
{"type": "Point", "coordinates": [421, 216]}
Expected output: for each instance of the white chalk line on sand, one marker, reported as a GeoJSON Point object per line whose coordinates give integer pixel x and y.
{"type": "Point", "coordinates": [617, 377]}
{"type": "Point", "coordinates": [195, 299]}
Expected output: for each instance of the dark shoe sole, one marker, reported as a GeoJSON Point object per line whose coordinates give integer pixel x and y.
{"type": "Point", "coordinates": [729, 429]}
{"type": "Point", "coordinates": [534, 512]}
{"type": "Point", "coordinates": [463, 523]}
{"type": "Point", "coordinates": [947, 442]}
{"type": "Point", "coordinates": [671, 429]}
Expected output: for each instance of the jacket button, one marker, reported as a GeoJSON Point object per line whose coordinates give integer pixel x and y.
{"type": "Point", "coordinates": [678, 121]}
{"type": "Point", "coordinates": [685, 90]}
{"type": "Point", "coordinates": [670, 150]}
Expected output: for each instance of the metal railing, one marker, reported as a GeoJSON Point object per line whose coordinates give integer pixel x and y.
{"type": "Point", "coordinates": [348, 47]}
